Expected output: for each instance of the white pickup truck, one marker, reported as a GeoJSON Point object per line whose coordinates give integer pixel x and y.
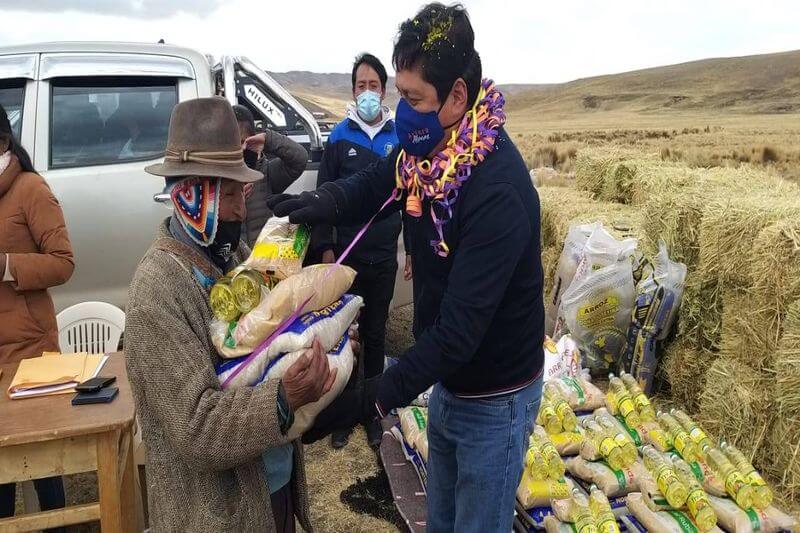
{"type": "Point", "coordinates": [93, 115]}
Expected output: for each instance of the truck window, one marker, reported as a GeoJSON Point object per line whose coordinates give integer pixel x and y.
{"type": "Point", "coordinates": [12, 97]}
{"type": "Point", "coordinates": [96, 121]}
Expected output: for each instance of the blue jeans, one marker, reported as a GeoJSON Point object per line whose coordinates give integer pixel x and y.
{"type": "Point", "coordinates": [476, 450]}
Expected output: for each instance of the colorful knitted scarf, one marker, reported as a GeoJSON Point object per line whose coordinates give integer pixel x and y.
{"type": "Point", "coordinates": [196, 202]}
{"type": "Point", "coordinates": [440, 178]}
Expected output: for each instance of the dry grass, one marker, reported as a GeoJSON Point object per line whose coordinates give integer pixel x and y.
{"type": "Point", "coordinates": [785, 442]}
{"type": "Point", "coordinates": [684, 366]}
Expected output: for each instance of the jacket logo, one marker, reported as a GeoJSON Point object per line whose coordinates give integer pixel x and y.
{"type": "Point", "coordinates": [387, 149]}
{"type": "Point", "coordinates": [352, 153]}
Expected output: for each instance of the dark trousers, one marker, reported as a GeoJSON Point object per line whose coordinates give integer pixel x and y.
{"type": "Point", "coordinates": [51, 496]}
{"type": "Point", "coordinates": [283, 509]}
{"type": "Point", "coordinates": [374, 283]}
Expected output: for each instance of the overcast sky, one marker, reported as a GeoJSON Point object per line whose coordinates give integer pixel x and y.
{"type": "Point", "coordinates": [525, 41]}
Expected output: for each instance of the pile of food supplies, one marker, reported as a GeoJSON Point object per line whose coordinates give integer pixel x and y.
{"type": "Point", "coordinates": [269, 310]}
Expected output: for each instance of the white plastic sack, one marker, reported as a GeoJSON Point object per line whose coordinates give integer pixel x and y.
{"type": "Point", "coordinates": [280, 248]}
{"type": "Point", "coordinates": [327, 324]}
{"type": "Point", "coordinates": [602, 250]}
{"type": "Point", "coordinates": [561, 358]}
{"type": "Point", "coordinates": [341, 358]}
{"type": "Point", "coordinates": [567, 264]}
{"type": "Point", "coordinates": [597, 310]}
{"type": "Point", "coordinates": [672, 275]}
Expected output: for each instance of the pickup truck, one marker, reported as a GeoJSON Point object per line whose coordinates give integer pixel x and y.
{"type": "Point", "coordinates": [93, 115]}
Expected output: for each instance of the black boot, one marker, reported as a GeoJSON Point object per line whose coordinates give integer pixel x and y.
{"type": "Point", "coordinates": [340, 438]}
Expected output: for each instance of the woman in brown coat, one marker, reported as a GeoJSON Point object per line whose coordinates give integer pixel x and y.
{"type": "Point", "coordinates": [35, 254]}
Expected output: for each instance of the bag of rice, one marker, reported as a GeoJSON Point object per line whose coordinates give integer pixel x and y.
{"type": "Point", "coordinates": [323, 284]}
{"type": "Point", "coordinates": [661, 521]}
{"type": "Point", "coordinates": [568, 442]}
{"type": "Point", "coordinates": [580, 393]}
{"type": "Point", "coordinates": [414, 424]}
{"type": "Point", "coordinates": [736, 520]}
{"type": "Point", "coordinates": [539, 493]}
{"type": "Point", "coordinates": [612, 482]}
{"type": "Point", "coordinates": [567, 264]}
{"type": "Point", "coordinates": [561, 358]}
{"type": "Point", "coordinates": [327, 324]}
{"type": "Point", "coordinates": [554, 525]}
{"type": "Point", "coordinates": [597, 310]}
{"type": "Point", "coordinates": [340, 357]}
{"type": "Point", "coordinates": [279, 249]}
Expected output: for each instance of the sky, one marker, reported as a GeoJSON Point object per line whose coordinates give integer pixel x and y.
{"type": "Point", "coordinates": [520, 41]}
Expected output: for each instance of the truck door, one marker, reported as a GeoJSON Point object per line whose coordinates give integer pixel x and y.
{"type": "Point", "coordinates": [274, 108]}
{"type": "Point", "coordinates": [101, 118]}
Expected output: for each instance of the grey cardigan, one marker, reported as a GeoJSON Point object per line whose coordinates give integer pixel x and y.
{"type": "Point", "coordinates": [204, 445]}
{"type": "Point", "coordinates": [284, 161]}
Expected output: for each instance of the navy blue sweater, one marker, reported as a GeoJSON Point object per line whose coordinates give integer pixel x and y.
{"type": "Point", "coordinates": [480, 314]}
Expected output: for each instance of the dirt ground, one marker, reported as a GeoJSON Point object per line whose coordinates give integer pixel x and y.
{"type": "Point", "coordinates": [348, 488]}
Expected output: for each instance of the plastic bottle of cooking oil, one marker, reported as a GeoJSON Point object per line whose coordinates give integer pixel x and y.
{"type": "Point", "coordinates": [581, 514]}
{"type": "Point", "coordinates": [621, 400]}
{"type": "Point", "coordinates": [553, 394]}
{"type": "Point", "coordinates": [762, 495]}
{"type": "Point", "coordinates": [695, 432]}
{"type": "Point", "coordinates": [640, 399]}
{"type": "Point", "coordinates": [697, 499]}
{"type": "Point", "coordinates": [735, 484]}
{"type": "Point", "coordinates": [548, 417]}
{"type": "Point", "coordinates": [601, 511]}
{"type": "Point", "coordinates": [668, 483]}
{"type": "Point", "coordinates": [535, 462]}
{"type": "Point", "coordinates": [605, 444]}
{"type": "Point", "coordinates": [681, 440]}
{"type": "Point", "coordinates": [247, 286]}
{"type": "Point", "coordinates": [628, 448]}
{"type": "Point", "coordinates": [554, 464]}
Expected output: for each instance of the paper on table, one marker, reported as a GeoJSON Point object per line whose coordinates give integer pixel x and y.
{"type": "Point", "coordinates": [43, 376]}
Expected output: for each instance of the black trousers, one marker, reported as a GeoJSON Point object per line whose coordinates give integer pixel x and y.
{"type": "Point", "coordinates": [374, 283]}
{"type": "Point", "coordinates": [51, 496]}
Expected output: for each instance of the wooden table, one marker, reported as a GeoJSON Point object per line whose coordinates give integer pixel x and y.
{"type": "Point", "coordinates": [47, 436]}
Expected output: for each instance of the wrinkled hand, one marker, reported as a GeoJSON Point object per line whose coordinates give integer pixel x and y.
{"type": "Point", "coordinates": [308, 378]}
{"type": "Point", "coordinates": [255, 143]}
{"type": "Point", "coordinates": [328, 257]}
{"type": "Point", "coordinates": [355, 341]}
{"type": "Point", "coordinates": [312, 207]}
{"type": "Point", "coordinates": [408, 271]}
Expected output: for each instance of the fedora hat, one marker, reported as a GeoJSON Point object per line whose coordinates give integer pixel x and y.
{"type": "Point", "coordinates": [204, 141]}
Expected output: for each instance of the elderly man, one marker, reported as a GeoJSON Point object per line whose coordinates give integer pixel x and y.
{"type": "Point", "coordinates": [218, 460]}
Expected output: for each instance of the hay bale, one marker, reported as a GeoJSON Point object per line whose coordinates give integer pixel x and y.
{"type": "Point", "coordinates": [684, 366]}
{"type": "Point", "coordinates": [785, 440]}
{"type": "Point", "coordinates": [562, 206]}
{"type": "Point", "coordinates": [591, 167]}
{"type": "Point", "coordinates": [674, 217]}
{"type": "Point", "coordinates": [737, 406]}
{"type": "Point", "coordinates": [700, 315]}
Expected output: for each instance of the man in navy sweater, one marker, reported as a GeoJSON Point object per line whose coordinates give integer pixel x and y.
{"type": "Point", "coordinates": [477, 266]}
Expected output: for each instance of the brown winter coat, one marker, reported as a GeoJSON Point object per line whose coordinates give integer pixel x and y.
{"type": "Point", "coordinates": [204, 467]}
{"type": "Point", "coordinates": [33, 234]}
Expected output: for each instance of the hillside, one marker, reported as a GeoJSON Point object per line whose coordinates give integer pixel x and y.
{"type": "Point", "coordinates": [761, 84]}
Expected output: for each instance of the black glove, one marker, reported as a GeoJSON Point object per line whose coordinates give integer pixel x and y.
{"type": "Point", "coordinates": [315, 207]}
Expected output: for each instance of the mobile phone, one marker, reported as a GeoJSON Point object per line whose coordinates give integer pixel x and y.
{"type": "Point", "coordinates": [104, 395]}
{"type": "Point", "coordinates": [95, 384]}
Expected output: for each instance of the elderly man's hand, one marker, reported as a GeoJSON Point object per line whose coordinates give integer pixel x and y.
{"type": "Point", "coordinates": [308, 378]}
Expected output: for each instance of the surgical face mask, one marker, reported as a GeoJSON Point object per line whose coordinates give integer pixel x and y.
{"type": "Point", "coordinates": [369, 105]}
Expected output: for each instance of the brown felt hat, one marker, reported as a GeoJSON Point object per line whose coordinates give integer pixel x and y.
{"type": "Point", "coordinates": [204, 141]}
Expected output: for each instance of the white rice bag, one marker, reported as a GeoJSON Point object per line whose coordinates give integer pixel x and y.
{"type": "Point", "coordinates": [414, 425]}
{"type": "Point", "coordinates": [736, 520]}
{"type": "Point", "coordinates": [327, 324]}
{"type": "Point", "coordinates": [661, 521]}
{"type": "Point", "coordinates": [611, 482]}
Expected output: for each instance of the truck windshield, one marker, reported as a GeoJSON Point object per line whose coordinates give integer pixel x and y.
{"type": "Point", "coordinates": [12, 95]}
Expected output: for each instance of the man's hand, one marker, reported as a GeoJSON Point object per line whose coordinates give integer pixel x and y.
{"type": "Point", "coordinates": [328, 257]}
{"type": "Point", "coordinates": [255, 143]}
{"type": "Point", "coordinates": [312, 207]}
{"type": "Point", "coordinates": [308, 378]}
{"type": "Point", "coordinates": [248, 189]}
{"type": "Point", "coordinates": [408, 271]}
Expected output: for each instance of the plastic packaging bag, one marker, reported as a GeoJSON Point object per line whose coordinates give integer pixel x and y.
{"type": "Point", "coordinates": [340, 357]}
{"type": "Point", "coordinates": [279, 249]}
{"type": "Point", "coordinates": [611, 482]}
{"type": "Point", "coordinates": [327, 324]}
{"type": "Point", "coordinates": [567, 264]}
{"type": "Point", "coordinates": [561, 358]}
{"type": "Point", "coordinates": [581, 393]}
{"type": "Point", "coordinates": [597, 310]}
{"type": "Point", "coordinates": [568, 442]}
{"type": "Point", "coordinates": [660, 521]}
{"type": "Point", "coordinates": [414, 424]}
{"type": "Point", "coordinates": [736, 520]}
{"type": "Point", "coordinates": [323, 286]}
{"type": "Point", "coordinates": [538, 493]}
{"type": "Point", "coordinates": [602, 250]}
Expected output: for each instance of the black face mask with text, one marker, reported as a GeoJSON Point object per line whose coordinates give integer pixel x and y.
{"type": "Point", "coordinates": [225, 242]}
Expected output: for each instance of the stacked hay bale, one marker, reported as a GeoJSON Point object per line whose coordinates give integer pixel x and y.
{"type": "Point", "coordinates": [785, 441]}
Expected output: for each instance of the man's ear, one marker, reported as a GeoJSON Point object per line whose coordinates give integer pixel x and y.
{"type": "Point", "coordinates": [459, 96]}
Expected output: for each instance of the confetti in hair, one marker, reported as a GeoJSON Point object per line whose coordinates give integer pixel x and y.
{"type": "Point", "coordinates": [439, 32]}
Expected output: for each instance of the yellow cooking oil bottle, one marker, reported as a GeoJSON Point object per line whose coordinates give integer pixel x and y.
{"type": "Point", "coordinates": [668, 483]}
{"type": "Point", "coordinates": [622, 402]}
{"type": "Point", "coordinates": [565, 414]}
{"type": "Point", "coordinates": [640, 399]}
{"type": "Point", "coordinates": [601, 511]}
{"type": "Point", "coordinates": [581, 514]}
{"type": "Point", "coordinates": [696, 500]}
{"type": "Point", "coordinates": [735, 484]}
{"type": "Point", "coordinates": [605, 444]}
{"type": "Point", "coordinates": [695, 432]}
{"type": "Point", "coordinates": [685, 446]}
{"type": "Point", "coordinates": [762, 495]}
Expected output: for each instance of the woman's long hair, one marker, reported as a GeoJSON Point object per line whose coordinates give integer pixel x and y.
{"type": "Point", "coordinates": [6, 135]}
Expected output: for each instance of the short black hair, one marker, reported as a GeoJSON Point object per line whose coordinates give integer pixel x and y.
{"type": "Point", "coordinates": [245, 116]}
{"type": "Point", "coordinates": [373, 62]}
{"type": "Point", "coordinates": [441, 41]}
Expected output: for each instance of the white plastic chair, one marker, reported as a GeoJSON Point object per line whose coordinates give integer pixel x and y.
{"type": "Point", "coordinates": [93, 327]}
